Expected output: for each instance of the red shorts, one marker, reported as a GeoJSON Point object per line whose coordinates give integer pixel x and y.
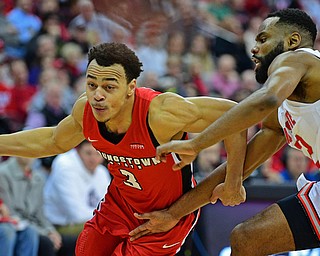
{"type": "Point", "coordinates": [106, 234]}
{"type": "Point", "coordinates": [92, 242]}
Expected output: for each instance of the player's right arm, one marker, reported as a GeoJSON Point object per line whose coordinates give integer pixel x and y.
{"type": "Point", "coordinates": [46, 141]}
{"type": "Point", "coordinates": [284, 74]}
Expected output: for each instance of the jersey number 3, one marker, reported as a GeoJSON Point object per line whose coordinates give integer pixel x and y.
{"type": "Point", "coordinates": [131, 180]}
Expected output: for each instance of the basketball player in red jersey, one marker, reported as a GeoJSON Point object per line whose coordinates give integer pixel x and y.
{"type": "Point", "coordinates": [126, 124]}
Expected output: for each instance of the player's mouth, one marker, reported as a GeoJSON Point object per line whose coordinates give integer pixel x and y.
{"type": "Point", "coordinates": [99, 109]}
{"type": "Point", "coordinates": [257, 62]}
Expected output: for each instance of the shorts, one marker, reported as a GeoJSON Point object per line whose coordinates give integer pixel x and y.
{"type": "Point", "coordinates": [92, 242]}
{"type": "Point", "coordinates": [302, 217]}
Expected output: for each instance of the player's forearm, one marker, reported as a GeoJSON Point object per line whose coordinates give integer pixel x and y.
{"type": "Point", "coordinates": [32, 143]}
{"type": "Point", "coordinates": [236, 146]}
{"type": "Point", "coordinates": [263, 145]}
{"type": "Point", "coordinates": [198, 196]}
{"type": "Point", "coordinates": [242, 116]}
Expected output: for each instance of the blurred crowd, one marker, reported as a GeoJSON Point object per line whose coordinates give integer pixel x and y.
{"type": "Point", "coordinates": [189, 47]}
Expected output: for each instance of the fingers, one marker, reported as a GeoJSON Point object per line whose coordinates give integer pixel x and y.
{"type": "Point", "coordinates": [162, 151]}
{"type": "Point", "coordinates": [213, 199]}
{"type": "Point", "coordinates": [142, 216]}
{"type": "Point", "coordinates": [138, 235]}
{"type": "Point", "coordinates": [142, 229]}
{"type": "Point", "coordinates": [178, 166]}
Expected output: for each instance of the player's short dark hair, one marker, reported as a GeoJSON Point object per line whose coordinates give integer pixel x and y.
{"type": "Point", "coordinates": [107, 54]}
{"type": "Point", "coordinates": [298, 19]}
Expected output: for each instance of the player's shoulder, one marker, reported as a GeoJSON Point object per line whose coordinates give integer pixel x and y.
{"type": "Point", "coordinates": [296, 59]}
{"type": "Point", "coordinates": [299, 55]}
{"type": "Point", "coordinates": [167, 100]}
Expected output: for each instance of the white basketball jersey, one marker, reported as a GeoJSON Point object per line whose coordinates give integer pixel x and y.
{"type": "Point", "coordinates": [301, 124]}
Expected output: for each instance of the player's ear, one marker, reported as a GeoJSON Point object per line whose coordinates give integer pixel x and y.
{"type": "Point", "coordinates": [131, 87]}
{"type": "Point", "coordinates": [294, 40]}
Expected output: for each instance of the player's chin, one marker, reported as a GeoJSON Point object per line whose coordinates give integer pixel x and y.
{"type": "Point", "coordinates": [101, 118]}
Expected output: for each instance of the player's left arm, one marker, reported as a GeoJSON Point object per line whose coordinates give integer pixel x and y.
{"type": "Point", "coordinates": [177, 115]}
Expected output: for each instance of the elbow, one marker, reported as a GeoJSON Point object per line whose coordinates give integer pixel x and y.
{"type": "Point", "coordinates": [269, 102]}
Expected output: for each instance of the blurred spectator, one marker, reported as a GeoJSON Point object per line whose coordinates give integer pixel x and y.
{"type": "Point", "coordinates": [5, 77]}
{"type": "Point", "coordinates": [152, 54]}
{"type": "Point", "coordinates": [150, 80]}
{"type": "Point", "coordinates": [175, 44]}
{"type": "Point", "coordinates": [121, 12]}
{"type": "Point", "coordinates": [200, 52]}
{"type": "Point", "coordinates": [312, 7]}
{"type": "Point", "coordinates": [194, 72]}
{"type": "Point", "coordinates": [220, 10]}
{"type": "Point", "coordinates": [61, 78]}
{"type": "Point", "coordinates": [228, 30]}
{"type": "Point", "coordinates": [248, 80]}
{"type": "Point", "coordinates": [27, 25]}
{"type": "Point", "coordinates": [52, 112]}
{"type": "Point", "coordinates": [8, 5]}
{"type": "Point", "coordinates": [79, 35]}
{"type": "Point", "coordinates": [79, 86]}
{"type": "Point", "coordinates": [186, 21]}
{"type": "Point", "coordinates": [74, 188]}
{"type": "Point", "coordinates": [248, 85]}
{"type": "Point", "coordinates": [8, 33]}
{"type": "Point", "coordinates": [21, 94]}
{"type": "Point", "coordinates": [5, 98]}
{"type": "Point", "coordinates": [52, 27]}
{"type": "Point", "coordinates": [14, 238]}
{"type": "Point", "coordinates": [101, 27]}
{"type": "Point", "coordinates": [5, 94]}
{"type": "Point", "coordinates": [173, 79]}
{"type": "Point", "coordinates": [73, 60]}
{"type": "Point", "coordinates": [296, 163]}
{"type": "Point", "coordinates": [21, 189]}
{"type": "Point", "coordinates": [44, 7]}
{"type": "Point", "coordinates": [44, 55]}
{"type": "Point", "coordinates": [226, 80]}
{"type": "Point", "coordinates": [256, 7]}
{"type": "Point", "coordinates": [265, 174]}
{"type": "Point", "coordinates": [207, 160]}
{"type": "Point", "coordinates": [250, 33]}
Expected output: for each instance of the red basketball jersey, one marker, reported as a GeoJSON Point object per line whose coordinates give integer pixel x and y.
{"type": "Point", "coordinates": [140, 182]}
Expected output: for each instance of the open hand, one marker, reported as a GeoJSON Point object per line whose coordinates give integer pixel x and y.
{"type": "Point", "coordinates": [158, 221]}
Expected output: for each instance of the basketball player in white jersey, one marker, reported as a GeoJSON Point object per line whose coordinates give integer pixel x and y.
{"type": "Point", "coordinates": [289, 106]}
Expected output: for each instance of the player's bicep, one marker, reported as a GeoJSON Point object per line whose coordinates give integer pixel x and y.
{"type": "Point", "coordinates": [68, 133]}
{"type": "Point", "coordinates": [168, 115]}
{"type": "Point", "coordinates": [171, 114]}
{"type": "Point", "coordinates": [208, 110]}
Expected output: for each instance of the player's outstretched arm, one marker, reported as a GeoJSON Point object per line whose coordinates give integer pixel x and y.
{"type": "Point", "coordinates": [46, 141]}
{"type": "Point", "coordinates": [285, 74]}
